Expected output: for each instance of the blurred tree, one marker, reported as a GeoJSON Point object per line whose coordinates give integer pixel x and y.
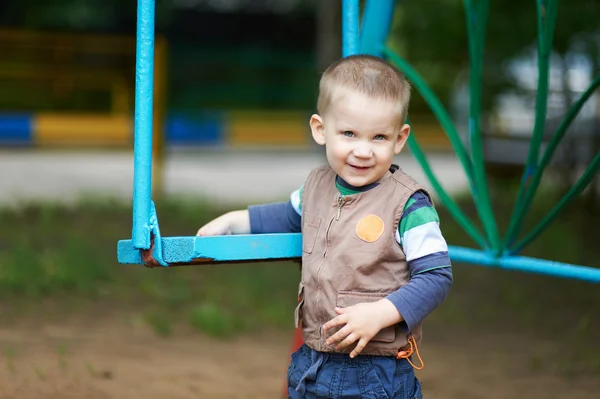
{"type": "Point", "coordinates": [75, 15]}
{"type": "Point", "coordinates": [329, 29]}
{"type": "Point", "coordinates": [432, 35]}
{"type": "Point", "coordinates": [86, 15]}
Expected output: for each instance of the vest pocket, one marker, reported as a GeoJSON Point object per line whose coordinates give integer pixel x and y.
{"type": "Point", "coordinates": [350, 298]}
{"type": "Point", "coordinates": [310, 229]}
{"type": "Point", "coordinates": [298, 310]}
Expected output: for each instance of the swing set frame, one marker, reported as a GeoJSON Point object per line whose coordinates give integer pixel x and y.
{"type": "Point", "coordinates": [369, 36]}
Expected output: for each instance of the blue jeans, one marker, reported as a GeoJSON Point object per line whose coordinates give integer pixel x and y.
{"type": "Point", "coordinates": [316, 375]}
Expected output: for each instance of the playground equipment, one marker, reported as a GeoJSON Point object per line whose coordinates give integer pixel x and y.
{"type": "Point", "coordinates": [149, 248]}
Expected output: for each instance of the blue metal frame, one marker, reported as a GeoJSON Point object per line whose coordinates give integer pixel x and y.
{"type": "Point", "coordinates": [350, 27]}
{"type": "Point", "coordinates": [149, 248]}
{"type": "Point", "coordinates": [235, 248]}
{"type": "Point", "coordinates": [142, 146]}
{"type": "Point", "coordinates": [270, 247]}
{"type": "Point", "coordinates": [524, 264]}
{"type": "Point", "coordinates": [376, 25]}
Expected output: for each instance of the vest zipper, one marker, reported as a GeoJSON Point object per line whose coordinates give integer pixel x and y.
{"type": "Point", "coordinates": [340, 203]}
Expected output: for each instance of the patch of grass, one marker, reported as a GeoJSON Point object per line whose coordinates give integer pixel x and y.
{"type": "Point", "coordinates": [39, 372]}
{"type": "Point", "coordinates": [61, 350]}
{"type": "Point", "coordinates": [159, 321]}
{"type": "Point", "coordinates": [10, 352]}
{"type": "Point", "coordinates": [90, 369]}
{"type": "Point", "coordinates": [213, 320]}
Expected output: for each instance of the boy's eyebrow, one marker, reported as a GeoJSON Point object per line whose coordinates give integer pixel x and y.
{"type": "Point", "coordinates": [344, 126]}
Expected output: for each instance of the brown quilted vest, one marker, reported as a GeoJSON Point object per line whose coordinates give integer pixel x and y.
{"type": "Point", "coordinates": [350, 255]}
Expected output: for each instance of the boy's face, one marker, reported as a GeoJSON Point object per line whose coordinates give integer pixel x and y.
{"type": "Point", "coordinates": [361, 135]}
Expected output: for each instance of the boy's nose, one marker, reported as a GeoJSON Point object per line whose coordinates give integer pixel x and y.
{"type": "Point", "coordinates": [362, 151]}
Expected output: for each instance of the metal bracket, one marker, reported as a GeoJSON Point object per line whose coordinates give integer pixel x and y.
{"type": "Point", "coordinates": [153, 256]}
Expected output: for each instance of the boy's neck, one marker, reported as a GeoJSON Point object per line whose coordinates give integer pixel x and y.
{"type": "Point", "coordinates": [348, 189]}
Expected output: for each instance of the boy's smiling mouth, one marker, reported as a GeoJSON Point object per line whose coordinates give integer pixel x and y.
{"type": "Point", "coordinates": [359, 167]}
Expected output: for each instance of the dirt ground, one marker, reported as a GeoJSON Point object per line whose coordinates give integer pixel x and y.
{"type": "Point", "coordinates": [119, 358]}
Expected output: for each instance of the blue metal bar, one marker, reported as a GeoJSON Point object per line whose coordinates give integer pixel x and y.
{"type": "Point", "coordinates": [376, 24]}
{"type": "Point", "coordinates": [350, 28]}
{"type": "Point", "coordinates": [525, 264]}
{"type": "Point", "coordinates": [235, 248]}
{"type": "Point", "coordinates": [265, 247]}
{"type": "Point", "coordinates": [142, 146]}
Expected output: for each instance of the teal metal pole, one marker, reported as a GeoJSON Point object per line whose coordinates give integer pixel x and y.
{"type": "Point", "coordinates": [142, 146]}
{"type": "Point", "coordinates": [376, 24]}
{"type": "Point", "coordinates": [525, 264]}
{"type": "Point", "coordinates": [350, 28]}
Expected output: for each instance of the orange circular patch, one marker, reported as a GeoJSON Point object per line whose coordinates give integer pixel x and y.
{"type": "Point", "coordinates": [369, 228]}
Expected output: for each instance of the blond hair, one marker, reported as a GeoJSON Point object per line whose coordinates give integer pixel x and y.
{"type": "Point", "coordinates": [368, 75]}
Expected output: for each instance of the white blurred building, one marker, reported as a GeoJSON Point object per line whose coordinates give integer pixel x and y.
{"type": "Point", "coordinates": [507, 129]}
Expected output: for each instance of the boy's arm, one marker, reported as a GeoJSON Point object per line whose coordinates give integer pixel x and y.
{"type": "Point", "coordinates": [281, 217]}
{"type": "Point", "coordinates": [423, 294]}
{"type": "Point", "coordinates": [274, 218]}
{"type": "Point", "coordinates": [236, 222]}
{"type": "Point", "coordinates": [428, 261]}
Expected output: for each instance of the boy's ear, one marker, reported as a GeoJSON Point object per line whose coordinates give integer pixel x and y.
{"type": "Point", "coordinates": [402, 137]}
{"type": "Point", "coordinates": [317, 129]}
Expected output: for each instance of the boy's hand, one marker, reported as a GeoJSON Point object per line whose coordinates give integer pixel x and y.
{"type": "Point", "coordinates": [237, 222]}
{"type": "Point", "coordinates": [361, 323]}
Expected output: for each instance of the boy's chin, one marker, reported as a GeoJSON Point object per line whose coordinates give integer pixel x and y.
{"type": "Point", "coordinates": [359, 181]}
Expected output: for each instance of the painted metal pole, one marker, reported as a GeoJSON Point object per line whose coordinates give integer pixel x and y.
{"type": "Point", "coordinates": [350, 27]}
{"type": "Point", "coordinates": [376, 24]}
{"type": "Point", "coordinates": [142, 147]}
{"type": "Point", "coordinates": [525, 264]}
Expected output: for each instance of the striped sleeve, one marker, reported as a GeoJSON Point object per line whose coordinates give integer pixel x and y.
{"type": "Point", "coordinates": [428, 261]}
{"type": "Point", "coordinates": [296, 200]}
{"type": "Point", "coordinates": [420, 236]}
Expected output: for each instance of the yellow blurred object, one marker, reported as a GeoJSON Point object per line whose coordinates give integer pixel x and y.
{"type": "Point", "coordinates": [82, 129]}
{"type": "Point", "coordinates": [258, 128]}
{"type": "Point", "coordinates": [431, 136]}
{"type": "Point", "coordinates": [61, 70]}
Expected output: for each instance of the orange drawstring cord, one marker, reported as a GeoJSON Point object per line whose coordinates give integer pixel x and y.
{"type": "Point", "coordinates": [406, 354]}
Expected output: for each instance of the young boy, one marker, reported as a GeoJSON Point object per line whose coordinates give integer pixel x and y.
{"type": "Point", "coordinates": [374, 260]}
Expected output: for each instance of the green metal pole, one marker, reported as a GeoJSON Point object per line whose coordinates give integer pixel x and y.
{"type": "Point", "coordinates": [476, 16]}
{"type": "Point", "coordinates": [585, 179]}
{"type": "Point", "coordinates": [546, 21]}
{"type": "Point", "coordinates": [448, 202]}
{"type": "Point", "coordinates": [552, 145]}
{"type": "Point", "coordinates": [438, 110]}
{"type": "Point", "coordinates": [448, 126]}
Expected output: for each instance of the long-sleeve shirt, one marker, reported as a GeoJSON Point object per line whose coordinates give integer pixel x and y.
{"type": "Point", "coordinates": [418, 233]}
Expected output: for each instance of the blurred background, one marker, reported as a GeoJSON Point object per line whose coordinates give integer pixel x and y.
{"type": "Point", "coordinates": [235, 84]}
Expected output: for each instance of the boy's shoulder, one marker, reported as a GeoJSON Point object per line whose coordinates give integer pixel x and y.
{"type": "Point", "coordinates": [403, 178]}
{"type": "Point", "coordinates": [410, 183]}
{"type": "Point", "coordinates": [319, 172]}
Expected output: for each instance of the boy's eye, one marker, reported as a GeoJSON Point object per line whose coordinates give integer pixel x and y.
{"type": "Point", "coordinates": [380, 137]}
{"type": "Point", "coordinates": [348, 133]}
